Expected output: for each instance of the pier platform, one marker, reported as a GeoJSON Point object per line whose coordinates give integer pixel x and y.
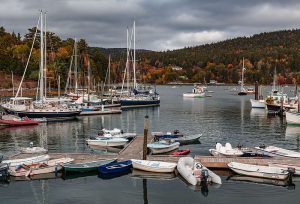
{"type": "Point", "coordinates": [134, 150]}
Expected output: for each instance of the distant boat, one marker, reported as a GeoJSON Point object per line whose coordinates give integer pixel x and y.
{"type": "Point", "coordinates": [162, 147]}
{"type": "Point", "coordinates": [195, 173]}
{"type": "Point", "coordinates": [242, 91]}
{"type": "Point", "coordinates": [107, 142]}
{"type": "Point", "coordinates": [226, 151]}
{"type": "Point", "coordinates": [198, 92]}
{"type": "Point", "coordinates": [86, 166]}
{"type": "Point", "coordinates": [33, 150]}
{"type": "Point", "coordinates": [154, 166]}
{"type": "Point", "coordinates": [113, 168]}
{"type": "Point", "coordinates": [259, 171]}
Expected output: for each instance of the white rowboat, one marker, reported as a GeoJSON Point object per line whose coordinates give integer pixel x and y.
{"type": "Point", "coordinates": [259, 171]}
{"type": "Point", "coordinates": [160, 148]}
{"type": "Point", "coordinates": [30, 160]}
{"type": "Point", "coordinates": [226, 151]}
{"type": "Point", "coordinates": [153, 166]}
{"type": "Point", "coordinates": [107, 142]}
{"type": "Point", "coordinates": [280, 151]}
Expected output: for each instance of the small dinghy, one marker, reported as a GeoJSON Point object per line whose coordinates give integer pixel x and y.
{"type": "Point", "coordinates": [113, 168]}
{"type": "Point", "coordinates": [86, 166]}
{"type": "Point", "coordinates": [195, 173]}
{"type": "Point", "coordinates": [107, 142]}
{"type": "Point", "coordinates": [26, 161]}
{"type": "Point", "coordinates": [279, 151]}
{"type": "Point", "coordinates": [167, 135]}
{"type": "Point", "coordinates": [181, 152]}
{"type": "Point", "coordinates": [162, 147]}
{"type": "Point", "coordinates": [259, 171]}
{"type": "Point", "coordinates": [50, 166]}
{"type": "Point", "coordinates": [191, 139]}
{"type": "Point", "coordinates": [226, 151]}
{"type": "Point", "coordinates": [153, 166]}
{"type": "Point", "coordinates": [33, 150]}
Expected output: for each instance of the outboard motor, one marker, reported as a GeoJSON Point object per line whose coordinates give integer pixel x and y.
{"type": "Point", "coordinates": [262, 146]}
{"type": "Point", "coordinates": [176, 132]}
{"type": "Point", "coordinates": [291, 171]}
{"type": "Point", "coordinates": [204, 175]}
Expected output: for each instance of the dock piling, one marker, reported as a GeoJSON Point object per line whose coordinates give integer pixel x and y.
{"type": "Point", "coordinates": [145, 137]}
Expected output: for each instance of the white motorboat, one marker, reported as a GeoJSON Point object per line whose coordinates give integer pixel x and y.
{"type": "Point", "coordinates": [258, 103]}
{"type": "Point", "coordinates": [162, 147]}
{"type": "Point", "coordinates": [259, 171]}
{"type": "Point", "coordinates": [26, 161]}
{"type": "Point", "coordinates": [126, 135]}
{"type": "Point", "coordinates": [195, 173]}
{"type": "Point", "coordinates": [153, 166]}
{"type": "Point", "coordinates": [226, 151]}
{"type": "Point", "coordinates": [292, 117]}
{"type": "Point", "coordinates": [279, 151]}
{"type": "Point", "coordinates": [107, 142]}
{"type": "Point", "coordinates": [198, 92]}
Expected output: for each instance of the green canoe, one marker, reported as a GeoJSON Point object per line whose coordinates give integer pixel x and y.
{"type": "Point", "coordinates": [88, 166]}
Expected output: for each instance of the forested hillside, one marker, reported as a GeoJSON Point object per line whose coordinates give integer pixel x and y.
{"type": "Point", "coordinates": [220, 61]}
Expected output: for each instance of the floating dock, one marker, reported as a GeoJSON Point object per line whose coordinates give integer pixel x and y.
{"type": "Point", "coordinates": [101, 112]}
{"type": "Point", "coordinates": [134, 150]}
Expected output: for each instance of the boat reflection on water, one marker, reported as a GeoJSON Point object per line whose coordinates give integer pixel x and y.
{"type": "Point", "coordinates": [293, 133]}
{"type": "Point", "coordinates": [37, 177]}
{"type": "Point", "coordinates": [257, 112]}
{"type": "Point", "coordinates": [284, 183]}
{"type": "Point", "coordinates": [74, 175]}
{"type": "Point", "coordinates": [113, 175]}
{"type": "Point", "coordinates": [203, 187]}
{"type": "Point", "coordinates": [138, 174]}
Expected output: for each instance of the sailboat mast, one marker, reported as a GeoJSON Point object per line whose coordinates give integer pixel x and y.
{"type": "Point", "coordinates": [42, 60]}
{"type": "Point", "coordinates": [134, 77]}
{"type": "Point", "coordinates": [127, 63]}
{"type": "Point", "coordinates": [108, 83]}
{"type": "Point", "coordinates": [89, 80]}
{"type": "Point", "coordinates": [274, 81]}
{"type": "Point", "coordinates": [242, 83]}
{"type": "Point", "coordinates": [45, 66]}
{"type": "Point", "coordinates": [75, 66]}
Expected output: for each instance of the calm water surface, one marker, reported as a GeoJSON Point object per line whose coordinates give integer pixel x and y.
{"type": "Point", "coordinates": [224, 117]}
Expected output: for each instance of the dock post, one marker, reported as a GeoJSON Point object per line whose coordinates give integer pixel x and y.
{"type": "Point", "coordinates": [256, 90]}
{"type": "Point", "coordinates": [145, 137]}
{"type": "Point", "coordinates": [298, 102]}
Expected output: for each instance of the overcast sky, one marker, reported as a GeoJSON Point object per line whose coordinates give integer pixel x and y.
{"type": "Point", "coordinates": [160, 24]}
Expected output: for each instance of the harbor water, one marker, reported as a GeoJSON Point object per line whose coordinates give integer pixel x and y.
{"type": "Point", "coordinates": [224, 117]}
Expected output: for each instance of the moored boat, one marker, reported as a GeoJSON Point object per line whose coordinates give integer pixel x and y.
{"type": "Point", "coordinates": [50, 166]}
{"type": "Point", "coordinates": [153, 166]}
{"type": "Point", "coordinates": [198, 92]}
{"type": "Point", "coordinates": [117, 167]}
{"type": "Point", "coordinates": [162, 147]}
{"type": "Point", "coordinates": [279, 151]}
{"type": "Point", "coordinates": [195, 173]}
{"type": "Point", "coordinates": [259, 171]}
{"type": "Point", "coordinates": [33, 150]}
{"type": "Point", "coordinates": [258, 103]}
{"type": "Point", "coordinates": [86, 166]}
{"type": "Point", "coordinates": [12, 120]}
{"type": "Point", "coordinates": [226, 151]}
{"type": "Point", "coordinates": [181, 152]}
{"type": "Point", "coordinates": [26, 161]}
{"type": "Point", "coordinates": [286, 167]}
{"type": "Point", "coordinates": [107, 142]}
{"type": "Point", "coordinates": [190, 139]}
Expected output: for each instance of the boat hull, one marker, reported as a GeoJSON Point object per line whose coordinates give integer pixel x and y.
{"type": "Point", "coordinates": [193, 95]}
{"type": "Point", "coordinates": [114, 168]}
{"type": "Point", "coordinates": [107, 143]}
{"type": "Point", "coordinates": [138, 103]}
{"type": "Point", "coordinates": [163, 148]}
{"type": "Point", "coordinates": [258, 103]}
{"type": "Point", "coordinates": [154, 166]}
{"type": "Point", "coordinates": [49, 115]}
{"type": "Point", "coordinates": [292, 118]}
{"type": "Point", "coordinates": [86, 167]}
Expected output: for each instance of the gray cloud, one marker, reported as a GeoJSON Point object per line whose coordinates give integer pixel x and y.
{"type": "Point", "coordinates": [160, 24]}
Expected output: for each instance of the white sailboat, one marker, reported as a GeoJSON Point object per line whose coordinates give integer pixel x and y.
{"type": "Point", "coordinates": [243, 91]}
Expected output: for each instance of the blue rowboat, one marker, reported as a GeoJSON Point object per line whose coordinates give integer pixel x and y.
{"type": "Point", "coordinates": [115, 167]}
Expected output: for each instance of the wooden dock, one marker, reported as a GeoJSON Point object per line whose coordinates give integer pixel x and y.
{"type": "Point", "coordinates": [134, 150]}
{"type": "Point", "coordinates": [102, 112]}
